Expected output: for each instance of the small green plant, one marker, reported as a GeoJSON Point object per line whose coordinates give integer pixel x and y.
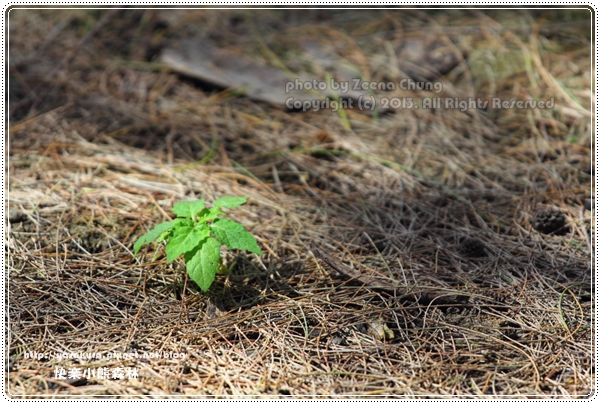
{"type": "Point", "coordinates": [198, 233]}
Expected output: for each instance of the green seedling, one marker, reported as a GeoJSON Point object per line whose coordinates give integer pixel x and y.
{"type": "Point", "coordinates": [198, 233]}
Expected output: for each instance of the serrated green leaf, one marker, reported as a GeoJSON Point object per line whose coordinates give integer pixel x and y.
{"type": "Point", "coordinates": [230, 201]}
{"type": "Point", "coordinates": [203, 263]}
{"type": "Point", "coordinates": [152, 235]}
{"type": "Point", "coordinates": [233, 235]}
{"type": "Point", "coordinates": [182, 222]}
{"type": "Point", "coordinates": [209, 214]}
{"type": "Point", "coordinates": [163, 236]}
{"type": "Point", "coordinates": [185, 238]}
{"type": "Point", "coordinates": [188, 208]}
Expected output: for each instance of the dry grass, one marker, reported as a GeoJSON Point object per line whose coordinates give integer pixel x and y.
{"type": "Point", "coordinates": [100, 149]}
